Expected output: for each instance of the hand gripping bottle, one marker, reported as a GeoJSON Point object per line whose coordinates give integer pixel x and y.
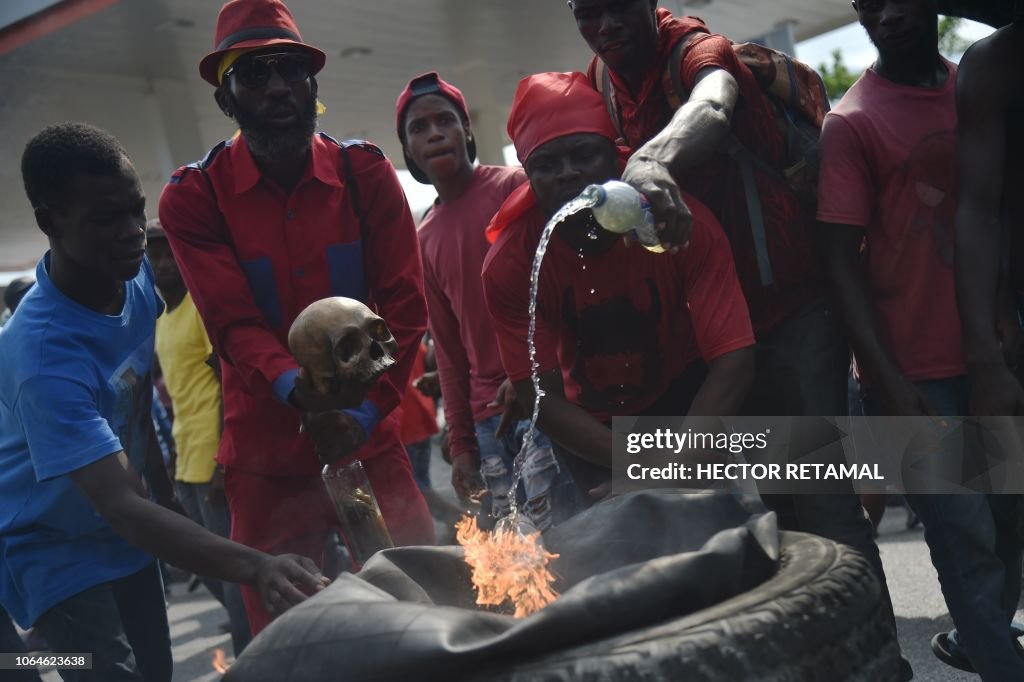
{"type": "Point", "coordinates": [621, 209]}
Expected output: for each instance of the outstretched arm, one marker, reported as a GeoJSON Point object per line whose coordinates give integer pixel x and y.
{"type": "Point", "coordinates": [113, 488]}
{"type": "Point", "coordinates": [695, 133]}
{"type": "Point", "coordinates": [697, 128]}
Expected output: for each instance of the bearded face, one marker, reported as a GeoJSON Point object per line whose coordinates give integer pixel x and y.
{"type": "Point", "coordinates": [276, 130]}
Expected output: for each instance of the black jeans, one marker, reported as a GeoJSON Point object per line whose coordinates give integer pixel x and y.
{"type": "Point", "coordinates": [975, 550]}
{"type": "Point", "coordinates": [123, 624]}
{"type": "Point", "coordinates": [802, 370]}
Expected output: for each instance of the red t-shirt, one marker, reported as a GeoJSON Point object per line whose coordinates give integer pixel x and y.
{"type": "Point", "coordinates": [718, 182]}
{"type": "Point", "coordinates": [622, 325]}
{"type": "Point", "coordinates": [254, 256]}
{"type": "Point", "coordinates": [419, 413]}
{"type": "Point", "coordinates": [888, 165]}
{"type": "Point", "coordinates": [453, 245]}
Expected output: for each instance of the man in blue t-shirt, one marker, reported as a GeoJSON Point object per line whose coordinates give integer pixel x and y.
{"type": "Point", "coordinates": [77, 532]}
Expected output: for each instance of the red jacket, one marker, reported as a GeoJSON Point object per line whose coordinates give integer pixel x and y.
{"type": "Point", "coordinates": [254, 256]}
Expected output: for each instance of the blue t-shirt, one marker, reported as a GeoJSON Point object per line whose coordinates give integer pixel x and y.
{"type": "Point", "coordinates": [75, 386]}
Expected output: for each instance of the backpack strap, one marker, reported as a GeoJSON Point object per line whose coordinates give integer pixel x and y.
{"type": "Point", "coordinates": [603, 83]}
{"type": "Point", "coordinates": [203, 164]}
{"type": "Point", "coordinates": [352, 187]}
{"type": "Point", "coordinates": [793, 101]}
{"type": "Point", "coordinates": [677, 95]}
{"type": "Point", "coordinates": [671, 78]}
{"type": "Point", "coordinates": [746, 160]}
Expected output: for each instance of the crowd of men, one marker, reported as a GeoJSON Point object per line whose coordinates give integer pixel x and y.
{"type": "Point", "coordinates": [753, 308]}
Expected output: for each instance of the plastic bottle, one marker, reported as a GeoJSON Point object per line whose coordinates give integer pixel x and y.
{"type": "Point", "coordinates": [620, 209]}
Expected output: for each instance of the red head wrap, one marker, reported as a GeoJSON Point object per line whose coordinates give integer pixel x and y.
{"type": "Point", "coordinates": [551, 105]}
{"type": "Point", "coordinates": [548, 106]}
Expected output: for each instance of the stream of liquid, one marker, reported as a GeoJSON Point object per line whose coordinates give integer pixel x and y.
{"type": "Point", "coordinates": [578, 204]}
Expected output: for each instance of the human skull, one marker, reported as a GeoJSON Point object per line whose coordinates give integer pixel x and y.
{"type": "Point", "coordinates": [342, 346]}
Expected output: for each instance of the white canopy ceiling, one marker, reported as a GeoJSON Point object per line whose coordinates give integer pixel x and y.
{"type": "Point", "coordinates": [144, 53]}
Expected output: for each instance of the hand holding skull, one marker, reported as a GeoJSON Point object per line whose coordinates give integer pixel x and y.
{"type": "Point", "coordinates": [335, 434]}
{"type": "Point", "coordinates": [342, 348]}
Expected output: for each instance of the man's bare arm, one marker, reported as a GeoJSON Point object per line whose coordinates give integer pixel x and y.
{"type": "Point", "coordinates": [112, 486]}
{"type": "Point", "coordinates": [698, 128]}
{"type": "Point", "coordinates": [982, 106]}
{"type": "Point", "coordinates": [567, 424]}
{"type": "Point", "coordinates": [845, 270]}
{"type": "Point", "coordinates": [695, 132]}
{"type": "Point", "coordinates": [726, 385]}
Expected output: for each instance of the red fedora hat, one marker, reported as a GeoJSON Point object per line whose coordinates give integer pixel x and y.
{"type": "Point", "coordinates": [254, 23]}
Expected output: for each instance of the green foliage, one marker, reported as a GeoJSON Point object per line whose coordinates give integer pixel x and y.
{"type": "Point", "coordinates": [838, 78]}
{"type": "Point", "coordinates": [950, 43]}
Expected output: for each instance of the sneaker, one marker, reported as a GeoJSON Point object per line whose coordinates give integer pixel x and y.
{"type": "Point", "coordinates": [947, 649]}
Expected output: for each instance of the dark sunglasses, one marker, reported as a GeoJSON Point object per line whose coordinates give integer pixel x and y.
{"type": "Point", "coordinates": [253, 72]}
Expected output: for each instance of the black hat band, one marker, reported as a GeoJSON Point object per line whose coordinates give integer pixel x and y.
{"type": "Point", "coordinates": [257, 34]}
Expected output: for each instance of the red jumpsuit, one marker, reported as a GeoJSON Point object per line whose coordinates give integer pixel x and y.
{"type": "Point", "coordinates": [253, 257]}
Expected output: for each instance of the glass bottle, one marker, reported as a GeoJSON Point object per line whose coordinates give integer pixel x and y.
{"type": "Point", "coordinates": [361, 522]}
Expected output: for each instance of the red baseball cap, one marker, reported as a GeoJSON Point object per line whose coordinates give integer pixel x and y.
{"type": "Point", "coordinates": [429, 84]}
{"type": "Point", "coordinates": [551, 105]}
{"type": "Point", "coordinates": [254, 23]}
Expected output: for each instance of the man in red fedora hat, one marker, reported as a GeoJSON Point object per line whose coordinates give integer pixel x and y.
{"type": "Point", "coordinates": [619, 330]}
{"type": "Point", "coordinates": [268, 222]}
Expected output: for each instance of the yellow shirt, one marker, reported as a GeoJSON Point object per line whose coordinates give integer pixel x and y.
{"type": "Point", "coordinates": [183, 347]}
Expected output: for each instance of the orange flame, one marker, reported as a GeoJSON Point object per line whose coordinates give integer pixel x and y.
{"type": "Point", "coordinates": [220, 661]}
{"type": "Point", "coordinates": [507, 567]}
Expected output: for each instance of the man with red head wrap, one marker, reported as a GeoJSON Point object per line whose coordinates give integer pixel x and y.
{"type": "Point", "coordinates": [619, 330]}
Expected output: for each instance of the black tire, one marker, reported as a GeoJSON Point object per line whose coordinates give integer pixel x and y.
{"type": "Point", "coordinates": [817, 620]}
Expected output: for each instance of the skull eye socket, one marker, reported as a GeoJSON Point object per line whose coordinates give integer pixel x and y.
{"type": "Point", "coordinates": [348, 346]}
{"type": "Point", "coordinates": [379, 330]}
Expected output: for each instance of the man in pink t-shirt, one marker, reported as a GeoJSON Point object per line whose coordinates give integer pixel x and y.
{"type": "Point", "coordinates": [437, 140]}
{"type": "Point", "coordinates": [886, 207]}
